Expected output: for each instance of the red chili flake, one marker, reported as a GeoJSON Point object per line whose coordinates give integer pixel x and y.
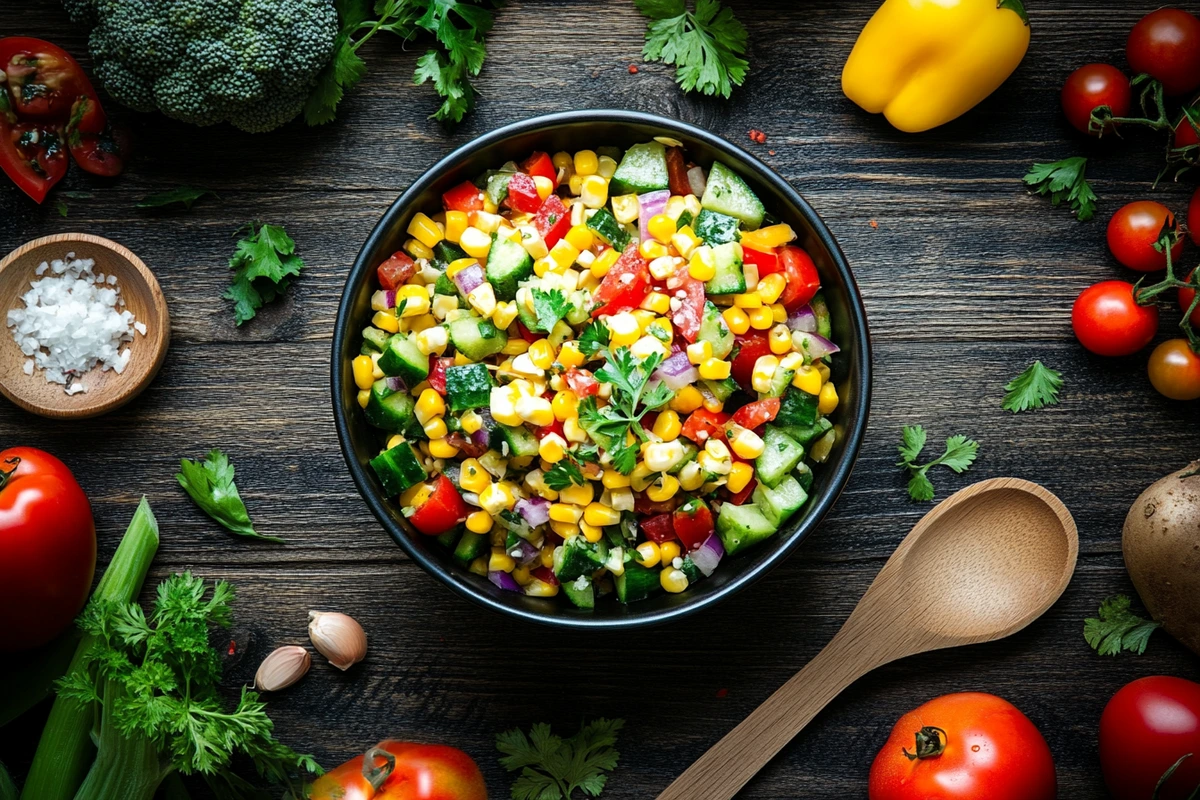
{"type": "Point", "coordinates": [874, 224]}
{"type": "Point", "coordinates": [722, 692]}
{"type": "Point", "coordinates": [757, 136]}
{"type": "Point", "coordinates": [771, 152]}
{"type": "Point", "coordinates": [633, 69]}
{"type": "Point", "coordinates": [232, 647]}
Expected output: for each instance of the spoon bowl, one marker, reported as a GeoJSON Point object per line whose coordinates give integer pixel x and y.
{"type": "Point", "coordinates": [983, 564]}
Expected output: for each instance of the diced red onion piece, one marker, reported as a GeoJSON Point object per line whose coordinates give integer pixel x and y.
{"type": "Point", "coordinates": [697, 180]}
{"type": "Point", "coordinates": [383, 299]}
{"type": "Point", "coordinates": [535, 510]}
{"type": "Point", "coordinates": [677, 372]}
{"type": "Point", "coordinates": [707, 556]}
{"type": "Point", "coordinates": [396, 384]}
{"type": "Point", "coordinates": [467, 279]}
{"type": "Point", "coordinates": [815, 345]}
{"type": "Point", "coordinates": [504, 581]}
{"type": "Point", "coordinates": [529, 553]}
{"type": "Point", "coordinates": [483, 435]}
{"type": "Point", "coordinates": [651, 203]}
{"type": "Point", "coordinates": [803, 319]}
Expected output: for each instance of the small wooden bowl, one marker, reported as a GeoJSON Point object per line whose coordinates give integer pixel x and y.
{"type": "Point", "coordinates": [106, 390]}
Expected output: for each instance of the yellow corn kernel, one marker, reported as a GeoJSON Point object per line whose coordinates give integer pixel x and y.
{"type": "Point", "coordinates": [425, 230]}
{"type": "Point", "coordinates": [485, 221]}
{"type": "Point", "coordinates": [780, 339]}
{"type": "Point", "coordinates": [827, 400]}
{"type": "Point", "coordinates": [473, 478]}
{"type": "Point", "coordinates": [562, 160]}
{"type": "Point", "coordinates": [514, 346]}
{"type": "Point", "coordinates": [623, 329]}
{"type": "Point", "coordinates": [412, 291]}
{"type": "Point", "coordinates": [770, 287]}
{"type": "Point", "coordinates": [739, 477]}
{"type": "Point", "coordinates": [641, 477]}
{"type": "Point", "coordinates": [667, 426]}
{"type": "Point", "coordinates": [699, 352]}
{"type": "Point", "coordinates": [643, 317]}
{"type": "Point", "coordinates": [440, 448]}
{"type": "Point", "coordinates": [702, 265]}
{"type": "Point", "coordinates": [669, 551]}
{"type": "Point", "coordinates": [657, 302]}
{"type": "Point", "coordinates": [552, 448]}
{"type": "Point", "coordinates": [807, 379]}
{"type": "Point", "coordinates": [673, 580]}
{"type": "Point", "coordinates": [535, 410]}
{"type": "Point", "coordinates": [580, 237]}
{"type": "Point", "coordinates": [541, 353]}
{"type": "Point", "coordinates": [523, 575]}
{"type": "Point", "coordinates": [592, 534]}
{"type": "Point", "coordinates": [715, 369]}
{"type": "Point", "coordinates": [685, 241]}
{"type": "Point", "coordinates": [503, 314]}
{"type": "Point", "coordinates": [714, 404]}
{"type": "Point", "coordinates": [661, 227]}
{"type": "Point", "coordinates": [417, 249]}
{"type": "Point", "coordinates": [535, 480]}
{"type": "Point", "coordinates": [545, 186]}
{"type": "Point", "coordinates": [761, 318]}
{"type": "Point", "coordinates": [501, 561]}
{"type": "Point", "coordinates": [456, 223]}
{"type": "Point", "coordinates": [496, 498]}
{"type": "Point", "coordinates": [364, 372]}
{"type": "Point", "coordinates": [821, 366]}
{"type": "Point", "coordinates": [546, 556]}
{"type": "Point", "coordinates": [429, 405]}
{"type": "Point", "coordinates": [614, 480]}
{"type": "Point", "coordinates": [578, 495]}
{"type": "Point", "coordinates": [563, 254]}
{"type": "Point", "coordinates": [687, 400]}
{"type": "Point", "coordinates": [675, 207]}
{"type": "Point", "coordinates": [573, 430]}
{"type": "Point", "coordinates": [539, 588]}
{"type": "Point", "coordinates": [606, 166]}
{"type": "Point", "coordinates": [542, 266]}
{"type": "Point", "coordinates": [661, 329]}
{"type": "Point", "coordinates": [575, 184]}
{"type": "Point", "coordinates": [489, 206]}
{"type": "Point", "coordinates": [386, 320]}
{"type": "Point", "coordinates": [470, 422]}
{"type": "Point", "coordinates": [604, 262]}
{"type": "Point", "coordinates": [394, 440]}
{"type": "Point", "coordinates": [778, 312]}
{"type": "Point", "coordinates": [663, 489]}
{"type": "Point", "coordinates": [691, 477]}
{"type": "Point", "coordinates": [736, 319]}
{"type": "Point", "coordinates": [563, 512]}
{"type": "Point", "coordinates": [479, 567]}
{"type": "Point", "coordinates": [479, 522]}
{"type": "Point", "coordinates": [564, 529]}
{"type": "Point", "coordinates": [647, 554]}
{"type": "Point", "coordinates": [565, 405]}
{"type": "Point", "coordinates": [364, 397]}
{"type": "Point", "coordinates": [586, 162]}
{"type": "Point", "coordinates": [569, 355]}
{"type": "Point", "coordinates": [651, 250]}
{"type": "Point", "coordinates": [747, 444]}
{"type": "Point", "coordinates": [626, 208]}
{"type": "Point", "coordinates": [417, 306]}
{"type": "Point", "coordinates": [600, 515]}
{"type": "Point", "coordinates": [475, 243]}
{"type": "Point", "coordinates": [767, 239]}
{"type": "Point", "coordinates": [594, 192]}
{"type": "Point", "coordinates": [435, 428]}
{"type": "Point", "coordinates": [764, 373]}
{"type": "Point", "coordinates": [749, 300]}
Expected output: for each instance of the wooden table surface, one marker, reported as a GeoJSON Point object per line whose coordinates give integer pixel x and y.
{"type": "Point", "coordinates": [966, 279]}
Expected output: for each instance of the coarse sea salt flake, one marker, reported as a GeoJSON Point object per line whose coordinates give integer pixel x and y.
{"type": "Point", "coordinates": [140, 327]}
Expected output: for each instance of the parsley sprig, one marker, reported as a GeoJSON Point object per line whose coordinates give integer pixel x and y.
{"type": "Point", "coordinates": [706, 45]}
{"type": "Point", "coordinates": [1036, 387]}
{"type": "Point", "coordinates": [564, 474]}
{"type": "Point", "coordinates": [210, 484]}
{"type": "Point", "coordinates": [550, 307]}
{"type": "Point", "coordinates": [610, 426]}
{"type": "Point", "coordinates": [959, 455]}
{"type": "Point", "coordinates": [264, 263]}
{"type": "Point", "coordinates": [1118, 629]}
{"type": "Point", "coordinates": [593, 339]}
{"type": "Point", "coordinates": [553, 768]}
{"type": "Point", "coordinates": [1065, 181]}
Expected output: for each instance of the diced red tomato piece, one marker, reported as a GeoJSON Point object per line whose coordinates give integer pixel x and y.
{"type": "Point", "coordinates": [767, 263]}
{"type": "Point", "coordinates": [802, 278]}
{"type": "Point", "coordinates": [437, 373]}
{"type": "Point", "coordinates": [703, 425]}
{"type": "Point", "coordinates": [553, 427]}
{"type": "Point", "coordinates": [523, 194]}
{"type": "Point", "coordinates": [748, 346]}
{"type": "Point", "coordinates": [443, 510]}
{"type": "Point", "coordinates": [626, 284]}
{"type": "Point", "coordinates": [540, 165]}
{"type": "Point", "coordinates": [741, 497]}
{"type": "Point", "coordinates": [677, 177]}
{"type": "Point", "coordinates": [645, 507]}
{"type": "Point", "coordinates": [658, 528]}
{"type": "Point", "coordinates": [691, 309]}
{"type": "Point", "coordinates": [545, 575]}
{"type": "Point", "coordinates": [464, 197]}
{"type": "Point", "coordinates": [694, 525]}
{"type": "Point", "coordinates": [527, 334]}
{"type": "Point", "coordinates": [757, 413]}
{"type": "Point", "coordinates": [396, 270]}
{"type": "Point", "coordinates": [582, 383]}
{"type": "Point", "coordinates": [552, 220]}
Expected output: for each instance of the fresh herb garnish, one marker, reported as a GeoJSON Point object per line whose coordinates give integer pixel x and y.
{"type": "Point", "coordinates": [593, 339]}
{"type": "Point", "coordinates": [550, 307]}
{"type": "Point", "coordinates": [706, 46]}
{"type": "Point", "coordinates": [157, 682]}
{"type": "Point", "coordinates": [564, 474]}
{"type": "Point", "coordinates": [264, 263]}
{"type": "Point", "coordinates": [959, 455]}
{"type": "Point", "coordinates": [184, 196]}
{"type": "Point", "coordinates": [1036, 387]}
{"type": "Point", "coordinates": [1065, 180]}
{"type": "Point", "coordinates": [1118, 628]}
{"type": "Point", "coordinates": [612, 424]}
{"type": "Point", "coordinates": [552, 768]}
{"type": "Point", "coordinates": [210, 484]}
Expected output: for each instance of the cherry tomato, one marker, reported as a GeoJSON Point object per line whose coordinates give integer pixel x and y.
{"type": "Point", "coordinates": [803, 282]}
{"type": "Point", "coordinates": [47, 547]}
{"type": "Point", "coordinates": [1145, 728]}
{"type": "Point", "coordinates": [441, 511]}
{"type": "Point", "coordinates": [1185, 301]}
{"type": "Point", "coordinates": [1092, 86]}
{"type": "Point", "coordinates": [1108, 322]}
{"type": "Point", "coordinates": [617, 292]}
{"type": "Point", "coordinates": [1166, 44]}
{"type": "Point", "coordinates": [1133, 231]}
{"type": "Point", "coordinates": [967, 746]}
{"type": "Point", "coordinates": [1184, 134]}
{"type": "Point", "coordinates": [767, 263]}
{"type": "Point", "coordinates": [748, 348]}
{"type": "Point", "coordinates": [1193, 220]}
{"type": "Point", "coordinates": [1175, 370]}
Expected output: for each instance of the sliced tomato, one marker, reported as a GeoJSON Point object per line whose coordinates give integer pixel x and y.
{"type": "Point", "coordinates": [552, 220]}
{"type": "Point", "coordinates": [527, 334]}
{"type": "Point", "coordinates": [741, 497]}
{"type": "Point", "coordinates": [691, 309]}
{"type": "Point", "coordinates": [396, 271]}
{"type": "Point", "coordinates": [94, 146]}
{"type": "Point", "coordinates": [553, 427]}
{"type": "Point", "coordinates": [747, 348]}
{"type": "Point", "coordinates": [443, 510]}
{"type": "Point", "coordinates": [802, 278]}
{"type": "Point", "coordinates": [540, 165]}
{"type": "Point", "coordinates": [643, 506]}
{"type": "Point", "coordinates": [545, 575]}
{"type": "Point", "coordinates": [757, 413]}
{"type": "Point", "coordinates": [767, 263]}
{"type": "Point", "coordinates": [658, 528]}
{"type": "Point", "coordinates": [626, 284]}
{"type": "Point", "coordinates": [465, 197]}
{"type": "Point", "coordinates": [437, 373]}
{"type": "Point", "coordinates": [523, 194]}
{"type": "Point", "coordinates": [582, 383]}
{"type": "Point", "coordinates": [693, 523]}
{"type": "Point", "coordinates": [703, 425]}
{"type": "Point", "coordinates": [44, 81]}
{"type": "Point", "coordinates": [677, 177]}
{"type": "Point", "coordinates": [33, 155]}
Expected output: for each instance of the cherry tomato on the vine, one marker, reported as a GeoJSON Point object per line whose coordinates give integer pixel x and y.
{"type": "Point", "coordinates": [1185, 301]}
{"type": "Point", "coordinates": [1145, 728]}
{"type": "Point", "coordinates": [1133, 231]}
{"type": "Point", "coordinates": [1092, 86]}
{"type": "Point", "coordinates": [1166, 45]}
{"type": "Point", "coordinates": [1175, 370]}
{"type": "Point", "coordinates": [1108, 321]}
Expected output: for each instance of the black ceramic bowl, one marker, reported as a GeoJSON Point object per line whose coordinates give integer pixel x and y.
{"type": "Point", "coordinates": [573, 131]}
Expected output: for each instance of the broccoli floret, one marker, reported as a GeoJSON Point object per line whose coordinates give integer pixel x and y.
{"type": "Point", "coordinates": [251, 63]}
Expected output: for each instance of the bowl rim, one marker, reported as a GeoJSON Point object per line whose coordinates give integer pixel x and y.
{"type": "Point", "coordinates": [823, 504]}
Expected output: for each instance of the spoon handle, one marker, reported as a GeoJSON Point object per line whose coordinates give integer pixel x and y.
{"type": "Point", "coordinates": [729, 764]}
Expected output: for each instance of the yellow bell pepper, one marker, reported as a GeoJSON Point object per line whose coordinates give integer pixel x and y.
{"type": "Point", "coordinates": [923, 63]}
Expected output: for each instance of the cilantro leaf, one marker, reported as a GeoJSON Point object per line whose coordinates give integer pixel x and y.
{"type": "Point", "coordinates": [1065, 181]}
{"type": "Point", "coordinates": [563, 474]}
{"type": "Point", "coordinates": [60, 206]}
{"type": "Point", "coordinates": [705, 46]}
{"type": "Point", "coordinates": [1036, 387]}
{"type": "Point", "coordinates": [553, 768]}
{"type": "Point", "coordinates": [210, 484]}
{"type": "Point", "coordinates": [550, 307]}
{"type": "Point", "coordinates": [593, 339]}
{"type": "Point", "coordinates": [185, 196]}
{"type": "Point", "coordinates": [1118, 628]}
{"type": "Point", "coordinates": [959, 455]}
{"type": "Point", "coordinates": [264, 263]}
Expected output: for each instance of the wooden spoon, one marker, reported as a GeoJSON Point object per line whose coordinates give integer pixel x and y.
{"type": "Point", "coordinates": [981, 565]}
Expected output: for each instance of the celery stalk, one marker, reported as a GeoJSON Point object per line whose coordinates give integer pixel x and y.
{"type": "Point", "coordinates": [65, 751]}
{"type": "Point", "coordinates": [127, 767]}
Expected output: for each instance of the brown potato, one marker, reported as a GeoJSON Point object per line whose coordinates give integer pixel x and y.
{"type": "Point", "coordinates": [1161, 542]}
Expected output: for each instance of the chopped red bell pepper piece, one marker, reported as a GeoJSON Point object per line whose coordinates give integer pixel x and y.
{"type": "Point", "coordinates": [757, 413]}
{"type": "Point", "coordinates": [523, 194]}
{"type": "Point", "coordinates": [693, 523]}
{"type": "Point", "coordinates": [741, 497]}
{"type": "Point", "coordinates": [552, 220]}
{"type": "Point", "coordinates": [677, 177]}
{"type": "Point", "coordinates": [658, 528]}
{"type": "Point", "coordinates": [437, 373]}
{"type": "Point", "coordinates": [703, 425]}
{"type": "Point", "coordinates": [464, 197]}
{"type": "Point", "coordinates": [767, 263]}
{"type": "Point", "coordinates": [803, 282]}
{"type": "Point", "coordinates": [396, 270]}
{"type": "Point", "coordinates": [545, 575]}
{"type": "Point", "coordinates": [749, 347]}
{"type": "Point", "coordinates": [691, 308]}
{"type": "Point", "coordinates": [626, 284]}
{"type": "Point", "coordinates": [443, 510]}
{"type": "Point", "coordinates": [582, 383]}
{"type": "Point", "coordinates": [540, 164]}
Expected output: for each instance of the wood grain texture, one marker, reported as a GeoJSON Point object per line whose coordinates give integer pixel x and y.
{"type": "Point", "coordinates": [966, 279]}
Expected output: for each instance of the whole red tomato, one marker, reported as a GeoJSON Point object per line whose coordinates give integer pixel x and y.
{"type": "Point", "coordinates": [1166, 44]}
{"type": "Point", "coordinates": [1145, 728]}
{"type": "Point", "coordinates": [1175, 370]}
{"type": "Point", "coordinates": [47, 547]}
{"type": "Point", "coordinates": [1092, 86]}
{"type": "Point", "coordinates": [1108, 322]}
{"type": "Point", "coordinates": [1193, 220]}
{"type": "Point", "coordinates": [404, 771]}
{"type": "Point", "coordinates": [967, 746]}
{"type": "Point", "coordinates": [1133, 231]}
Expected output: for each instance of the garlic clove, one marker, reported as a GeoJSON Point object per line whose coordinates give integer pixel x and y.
{"type": "Point", "coordinates": [282, 668]}
{"type": "Point", "coordinates": [337, 637]}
